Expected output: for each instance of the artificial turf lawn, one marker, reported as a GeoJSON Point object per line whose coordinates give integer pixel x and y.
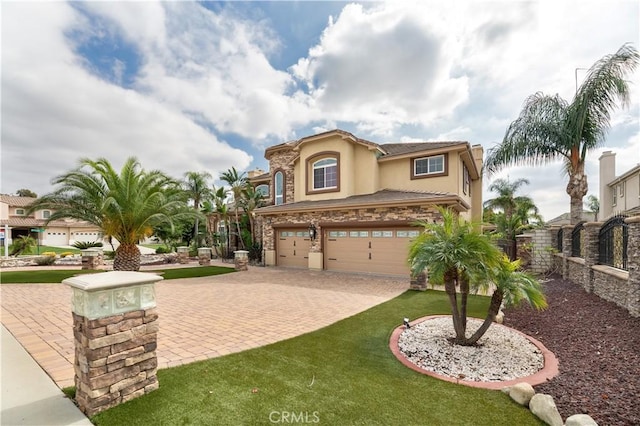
{"type": "Point", "coordinates": [56, 276]}
{"type": "Point", "coordinates": [342, 374]}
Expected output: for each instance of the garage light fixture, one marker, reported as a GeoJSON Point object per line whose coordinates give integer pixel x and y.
{"type": "Point", "coordinates": [313, 232]}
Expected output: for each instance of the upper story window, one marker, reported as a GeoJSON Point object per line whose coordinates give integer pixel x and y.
{"type": "Point", "coordinates": [621, 189]}
{"type": "Point", "coordinates": [435, 165]}
{"type": "Point", "coordinates": [263, 189]}
{"type": "Point", "coordinates": [466, 180]}
{"type": "Point", "coordinates": [614, 200]}
{"type": "Point", "coordinates": [20, 212]}
{"type": "Point", "coordinates": [46, 214]}
{"type": "Point", "coordinates": [278, 183]}
{"type": "Point", "coordinates": [325, 174]}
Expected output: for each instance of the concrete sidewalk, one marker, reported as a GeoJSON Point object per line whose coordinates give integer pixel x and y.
{"type": "Point", "coordinates": [29, 396]}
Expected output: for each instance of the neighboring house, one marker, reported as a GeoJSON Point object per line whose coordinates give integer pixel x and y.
{"type": "Point", "coordinates": [338, 202]}
{"type": "Point", "coordinates": [565, 218]}
{"type": "Point", "coordinates": [621, 194]}
{"type": "Point", "coordinates": [57, 233]}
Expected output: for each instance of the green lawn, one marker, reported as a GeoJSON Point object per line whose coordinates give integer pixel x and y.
{"type": "Point", "coordinates": [343, 374]}
{"type": "Point", "coordinates": [56, 276]}
{"type": "Point", "coordinates": [44, 249]}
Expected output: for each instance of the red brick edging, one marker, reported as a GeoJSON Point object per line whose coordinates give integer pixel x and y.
{"type": "Point", "coordinates": [548, 371]}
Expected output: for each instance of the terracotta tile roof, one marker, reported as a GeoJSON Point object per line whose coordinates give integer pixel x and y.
{"type": "Point", "coordinates": [15, 201]}
{"type": "Point", "coordinates": [385, 197]}
{"type": "Point", "coordinates": [393, 149]}
{"type": "Point", "coordinates": [22, 222]}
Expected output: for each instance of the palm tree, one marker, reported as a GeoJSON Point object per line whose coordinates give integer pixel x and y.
{"type": "Point", "coordinates": [506, 199]}
{"type": "Point", "coordinates": [125, 206]}
{"type": "Point", "coordinates": [197, 189]}
{"type": "Point", "coordinates": [456, 254]}
{"type": "Point", "coordinates": [549, 128]}
{"type": "Point", "coordinates": [237, 182]}
{"type": "Point", "coordinates": [594, 206]}
{"type": "Point", "coordinates": [220, 211]}
{"type": "Point", "coordinates": [251, 200]}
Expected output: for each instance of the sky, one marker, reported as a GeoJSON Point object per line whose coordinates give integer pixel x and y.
{"type": "Point", "coordinates": [206, 86]}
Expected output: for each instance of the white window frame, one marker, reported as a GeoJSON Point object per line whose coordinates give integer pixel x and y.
{"type": "Point", "coordinates": [315, 166]}
{"type": "Point", "coordinates": [19, 212]}
{"type": "Point", "coordinates": [278, 191]}
{"type": "Point", "coordinates": [46, 214]}
{"type": "Point", "coordinates": [428, 159]}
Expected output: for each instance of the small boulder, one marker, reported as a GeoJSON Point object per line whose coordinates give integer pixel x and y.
{"type": "Point", "coordinates": [543, 406]}
{"type": "Point", "coordinates": [580, 420]}
{"type": "Point", "coordinates": [522, 393]}
{"type": "Point", "coordinates": [499, 317]}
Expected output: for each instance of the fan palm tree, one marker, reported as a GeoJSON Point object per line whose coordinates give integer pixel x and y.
{"type": "Point", "coordinates": [549, 128]}
{"type": "Point", "coordinates": [237, 182]}
{"type": "Point", "coordinates": [220, 212]}
{"type": "Point", "coordinates": [594, 206]}
{"type": "Point", "coordinates": [251, 200]}
{"type": "Point", "coordinates": [458, 255]}
{"type": "Point", "coordinates": [507, 201]}
{"type": "Point", "coordinates": [125, 206]}
{"type": "Point", "coordinates": [197, 189]}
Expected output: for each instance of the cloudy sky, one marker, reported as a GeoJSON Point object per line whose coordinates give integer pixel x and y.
{"type": "Point", "coordinates": [188, 86]}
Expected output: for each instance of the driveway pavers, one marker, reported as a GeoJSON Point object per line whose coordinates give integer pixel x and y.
{"type": "Point", "coordinates": [202, 318]}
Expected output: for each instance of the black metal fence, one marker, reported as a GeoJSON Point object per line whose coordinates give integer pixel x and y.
{"type": "Point", "coordinates": [613, 241]}
{"type": "Point", "coordinates": [576, 240]}
{"type": "Point", "coordinates": [559, 240]}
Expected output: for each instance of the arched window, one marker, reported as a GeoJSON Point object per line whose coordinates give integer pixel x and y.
{"type": "Point", "coordinates": [325, 174]}
{"type": "Point", "coordinates": [278, 183]}
{"type": "Point", "coordinates": [263, 189]}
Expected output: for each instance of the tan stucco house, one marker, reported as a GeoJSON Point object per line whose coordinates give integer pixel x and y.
{"type": "Point", "coordinates": [360, 199]}
{"type": "Point", "coordinates": [13, 212]}
{"type": "Point", "coordinates": [618, 194]}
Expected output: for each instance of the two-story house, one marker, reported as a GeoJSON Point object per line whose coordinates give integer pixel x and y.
{"type": "Point", "coordinates": [13, 213]}
{"type": "Point", "coordinates": [338, 202]}
{"type": "Point", "coordinates": [618, 194]}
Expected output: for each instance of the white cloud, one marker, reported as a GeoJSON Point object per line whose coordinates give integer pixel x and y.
{"type": "Point", "coordinates": [56, 111]}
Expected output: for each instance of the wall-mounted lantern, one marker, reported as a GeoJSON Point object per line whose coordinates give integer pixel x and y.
{"type": "Point", "coordinates": [313, 232]}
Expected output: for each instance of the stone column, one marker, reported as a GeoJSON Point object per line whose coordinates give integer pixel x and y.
{"type": "Point", "coordinates": [204, 256]}
{"type": "Point", "coordinates": [183, 254]}
{"type": "Point", "coordinates": [566, 250]}
{"type": "Point", "coordinates": [92, 259]}
{"type": "Point", "coordinates": [115, 331]}
{"type": "Point", "coordinates": [591, 253]}
{"type": "Point", "coordinates": [241, 260]}
{"type": "Point", "coordinates": [633, 264]}
{"type": "Point", "coordinates": [418, 282]}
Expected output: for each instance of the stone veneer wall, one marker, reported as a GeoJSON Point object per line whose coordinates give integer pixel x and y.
{"type": "Point", "coordinates": [281, 160]}
{"type": "Point", "coordinates": [612, 284]}
{"type": "Point", "coordinates": [409, 214]}
{"type": "Point", "coordinates": [115, 358]}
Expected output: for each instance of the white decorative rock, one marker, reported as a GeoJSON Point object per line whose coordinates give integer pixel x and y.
{"type": "Point", "coordinates": [522, 393]}
{"type": "Point", "coordinates": [580, 420]}
{"type": "Point", "coordinates": [499, 317]}
{"type": "Point", "coordinates": [543, 406]}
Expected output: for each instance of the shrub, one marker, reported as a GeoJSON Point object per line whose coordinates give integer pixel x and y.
{"type": "Point", "coordinates": [21, 245]}
{"type": "Point", "coordinates": [67, 254]}
{"type": "Point", "coordinates": [49, 253]}
{"type": "Point", "coordinates": [83, 245]}
{"type": "Point", "coordinates": [109, 255]}
{"type": "Point", "coordinates": [45, 260]}
{"type": "Point", "coordinates": [163, 250]}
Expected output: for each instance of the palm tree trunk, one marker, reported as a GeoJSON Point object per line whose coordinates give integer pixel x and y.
{"type": "Point", "coordinates": [239, 237]}
{"type": "Point", "coordinates": [577, 188]}
{"type": "Point", "coordinates": [494, 308]}
{"type": "Point", "coordinates": [127, 258]}
{"type": "Point", "coordinates": [450, 289]}
{"type": "Point", "coordinates": [464, 295]}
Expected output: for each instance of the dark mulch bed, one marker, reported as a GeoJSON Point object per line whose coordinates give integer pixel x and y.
{"type": "Point", "coordinates": [597, 345]}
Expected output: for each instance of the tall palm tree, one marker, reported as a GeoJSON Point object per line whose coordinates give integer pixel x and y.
{"type": "Point", "coordinates": [125, 206]}
{"type": "Point", "coordinates": [237, 182]}
{"type": "Point", "coordinates": [251, 200]}
{"type": "Point", "coordinates": [458, 255]}
{"type": "Point", "coordinates": [549, 128]}
{"type": "Point", "coordinates": [197, 189]}
{"type": "Point", "coordinates": [507, 201]}
{"type": "Point", "coordinates": [594, 206]}
{"type": "Point", "coordinates": [220, 211]}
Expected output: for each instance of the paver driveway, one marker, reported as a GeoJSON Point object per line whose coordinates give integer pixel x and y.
{"type": "Point", "coordinates": [205, 317]}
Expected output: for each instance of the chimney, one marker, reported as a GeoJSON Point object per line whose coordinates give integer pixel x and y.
{"type": "Point", "coordinates": [253, 173]}
{"type": "Point", "coordinates": [607, 174]}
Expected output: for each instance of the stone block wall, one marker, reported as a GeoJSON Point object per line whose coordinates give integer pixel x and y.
{"type": "Point", "coordinates": [115, 358]}
{"type": "Point", "coordinates": [615, 285]}
{"type": "Point", "coordinates": [282, 160]}
{"type": "Point", "coordinates": [92, 259]}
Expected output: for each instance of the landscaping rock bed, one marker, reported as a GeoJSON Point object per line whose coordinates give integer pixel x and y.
{"type": "Point", "coordinates": [597, 345]}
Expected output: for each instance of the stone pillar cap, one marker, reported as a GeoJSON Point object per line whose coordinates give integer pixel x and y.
{"type": "Point", "coordinates": [112, 279]}
{"type": "Point", "coordinates": [241, 251]}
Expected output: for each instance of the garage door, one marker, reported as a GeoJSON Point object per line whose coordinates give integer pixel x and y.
{"type": "Point", "coordinates": [293, 248]}
{"type": "Point", "coordinates": [377, 250]}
